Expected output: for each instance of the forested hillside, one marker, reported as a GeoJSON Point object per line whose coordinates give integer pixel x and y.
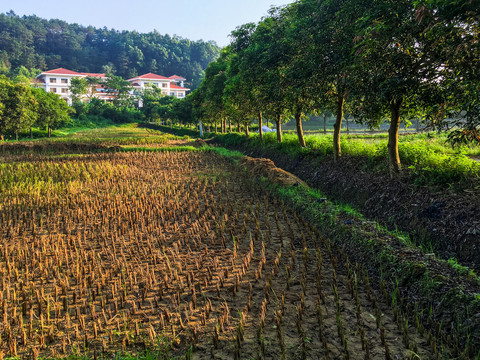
{"type": "Point", "coordinates": [34, 42]}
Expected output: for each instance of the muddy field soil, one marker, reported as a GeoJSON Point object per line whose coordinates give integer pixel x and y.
{"type": "Point", "coordinates": [179, 252]}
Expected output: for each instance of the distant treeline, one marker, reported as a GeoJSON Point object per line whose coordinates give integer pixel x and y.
{"type": "Point", "coordinates": [42, 44]}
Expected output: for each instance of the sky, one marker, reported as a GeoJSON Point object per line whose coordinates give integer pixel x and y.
{"type": "Point", "coordinates": [191, 19]}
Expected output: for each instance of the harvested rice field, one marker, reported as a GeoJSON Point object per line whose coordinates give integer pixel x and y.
{"type": "Point", "coordinates": [178, 254]}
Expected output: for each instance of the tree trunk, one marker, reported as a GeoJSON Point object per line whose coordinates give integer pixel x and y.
{"type": "Point", "coordinates": [298, 120]}
{"type": "Point", "coordinates": [16, 135]}
{"type": "Point", "coordinates": [260, 124]}
{"type": "Point", "coordinates": [49, 132]}
{"type": "Point", "coordinates": [238, 126]}
{"type": "Point", "coordinates": [393, 156]}
{"type": "Point", "coordinates": [247, 133]}
{"type": "Point", "coordinates": [279, 129]}
{"type": "Point", "coordinates": [31, 133]}
{"type": "Point", "coordinates": [215, 127]}
{"type": "Point", "coordinates": [325, 123]}
{"type": "Point", "coordinates": [337, 150]}
{"type": "Point", "coordinates": [348, 129]}
{"type": "Point", "coordinates": [229, 125]}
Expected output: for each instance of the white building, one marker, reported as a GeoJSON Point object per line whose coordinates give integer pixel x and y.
{"type": "Point", "coordinates": [59, 80]}
{"type": "Point", "coordinates": [168, 85]}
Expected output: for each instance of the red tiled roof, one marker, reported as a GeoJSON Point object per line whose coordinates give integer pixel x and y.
{"type": "Point", "coordinates": [176, 87]}
{"type": "Point", "coordinates": [93, 74]}
{"type": "Point", "coordinates": [176, 77]}
{"type": "Point", "coordinates": [149, 76]}
{"type": "Point", "coordinates": [135, 84]}
{"type": "Point", "coordinates": [61, 71]}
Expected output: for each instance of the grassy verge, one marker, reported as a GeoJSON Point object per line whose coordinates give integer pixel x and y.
{"type": "Point", "coordinates": [428, 161]}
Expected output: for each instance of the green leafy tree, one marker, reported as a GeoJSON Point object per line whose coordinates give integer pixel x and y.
{"type": "Point", "coordinates": [266, 51]}
{"type": "Point", "coordinates": [78, 88]}
{"type": "Point", "coordinates": [121, 88]}
{"type": "Point", "coordinates": [24, 75]}
{"type": "Point", "coordinates": [393, 69]}
{"type": "Point", "coordinates": [298, 72]}
{"type": "Point", "coordinates": [183, 110]}
{"type": "Point", "coordinates": [322, 32]}
{"type": "Point", "coordinates": [452, 29]}
{"type": "Point", "coordinates": [18, 106]}
{"type": "Point", "coordinates": [214, 84]}
{"type": "Point", "coordinates": [151, 107]}
{"type": "Point", "coordinates": [52, 111]}
{"type": "Point", "coordinates": [238, 95]}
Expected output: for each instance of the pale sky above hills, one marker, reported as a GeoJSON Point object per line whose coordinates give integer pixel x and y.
{"type": "Point", "coordinates": [192, 19]}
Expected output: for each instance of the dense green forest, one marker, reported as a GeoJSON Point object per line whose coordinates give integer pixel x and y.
{"type": "Point", "coordinates": [38, 43]}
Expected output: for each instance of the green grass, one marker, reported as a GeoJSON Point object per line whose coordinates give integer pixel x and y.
{"type": "Point", "coordinates": [234, 155]}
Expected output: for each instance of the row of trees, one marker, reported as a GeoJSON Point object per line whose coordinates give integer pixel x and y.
{"type": "Point", "coordinates": [386, 59]}
{"type": "Point", "coordinates": [23, 107]}
{"type": "Point", "coordinates": [37, 43]}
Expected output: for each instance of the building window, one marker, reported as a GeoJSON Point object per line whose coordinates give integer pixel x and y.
{"type": "Point", "coordinates": [54, 90]}
{"type": "Point", "coordinates": [64, 81]}
{"type": "Point", "coordinates": [164, 93]}
{"type": "Point", "coordinates": [180, 95]}
{"type": "Point", "coordinates": [53, 80]}
{"type": "Point", "coordinates": [156, 84]}
{"type": "Point", "coordinates": [64, 90]}
{"type": "Point", "coordinates": [172, 94]}
{"type": "Point", "coordinates": [164, 85]}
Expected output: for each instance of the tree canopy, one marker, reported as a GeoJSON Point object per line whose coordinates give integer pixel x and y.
{"type": "Point", "coordinates": [384, 61]}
